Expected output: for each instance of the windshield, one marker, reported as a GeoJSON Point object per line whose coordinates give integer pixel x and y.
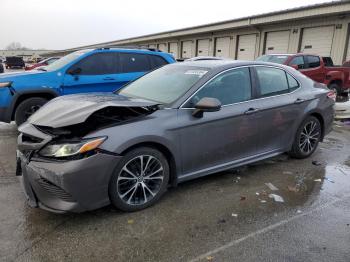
{"type": "Point", "coordinates": [165, 85]}
{"type": "Point", "coordinates": [278, 59]}
{"type": "Point", "coordinates": [64, 61]}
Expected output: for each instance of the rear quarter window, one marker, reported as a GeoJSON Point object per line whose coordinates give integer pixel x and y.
{"type": "Point", "coordinates": [292, 83]}
{"type": "Point", "coordinates": [157, 61]}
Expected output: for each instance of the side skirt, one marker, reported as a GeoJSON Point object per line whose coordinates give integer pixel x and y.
{"type": "Point", "coordinates": [229, 165]}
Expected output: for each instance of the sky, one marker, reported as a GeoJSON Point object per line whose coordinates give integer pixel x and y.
{"type": "Point", "coordinates": [61, 24]}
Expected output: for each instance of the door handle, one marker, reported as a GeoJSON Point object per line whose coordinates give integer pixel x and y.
{"type": "Point", "coordinates": [251, 111]}
{"type": "Point", "coordinates": [108, 78]}
{"type": "Point", "coordinates": [299, 101]}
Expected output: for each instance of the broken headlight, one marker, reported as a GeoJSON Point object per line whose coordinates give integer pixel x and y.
{"type": "Point", "coordinates": [71, 149]}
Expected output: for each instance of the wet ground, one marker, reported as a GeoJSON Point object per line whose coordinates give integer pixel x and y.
{"type": "Point", "coordinates": [222, 217]}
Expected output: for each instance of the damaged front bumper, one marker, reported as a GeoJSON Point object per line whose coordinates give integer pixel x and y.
{"type": "Point", "coordinates": [67, 186]}
{"type": "Point", "coordinates": [73, 185]}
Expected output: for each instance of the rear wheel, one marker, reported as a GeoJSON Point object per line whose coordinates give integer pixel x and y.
{"type": "Point", "coordinates": [307, 138]}
{"type": "Point", "coordinates": [28, 107]}
{"type": "Point", "coordinates": [139, 180]}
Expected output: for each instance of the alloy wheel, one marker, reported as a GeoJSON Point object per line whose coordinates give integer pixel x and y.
{"type": "Point", "coordinates": [140, 180]}
{"type": "Point", "coordinates": [309, 137]}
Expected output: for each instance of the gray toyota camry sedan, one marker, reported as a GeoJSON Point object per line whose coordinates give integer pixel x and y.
{"type": "Point", "coordinates": [182, 121]}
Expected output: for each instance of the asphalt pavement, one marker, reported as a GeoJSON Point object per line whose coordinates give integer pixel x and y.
{"type": "Point", "coordinates": [227, 216]}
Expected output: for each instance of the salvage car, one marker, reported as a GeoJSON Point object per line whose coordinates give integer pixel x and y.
{"type": "Point", "coordinates": [91, 70]}
{"type": "Point", "coordinates": [179, 122]}
{"type": "Point", "coordinates": [319, 69]}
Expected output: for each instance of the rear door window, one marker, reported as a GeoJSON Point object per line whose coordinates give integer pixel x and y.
{"type": "Point", "coordinates": [272, 81]}
{"type": "Point", "coordinates": [130, 63]}
{"type": "Point", "coordinates": [313, 61]}
{"type": "Point", "coordinates": [98, 64]}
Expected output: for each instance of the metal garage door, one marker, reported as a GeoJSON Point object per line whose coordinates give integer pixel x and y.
{"type": "Point", "coordinates": [317, 40]}
{"type": "Point", "coordinates": [222, 47]}
{"type": "Point", "coordinates": [203, 47]}
{"type": "Point", "coordinates": [187, 49]}
{"type": "Point", "coordinates": [348, 51]}
{"type": "Point", "coordinates": [246, 47]}
{"type": "Point", "coordinates": [277, 42]}
{"type": "Point", "coordinates": [163, 47]}
{"type": "Point", "coordinates": [173, 49]}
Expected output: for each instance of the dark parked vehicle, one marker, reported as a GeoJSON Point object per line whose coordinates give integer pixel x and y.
{"type": "Point", "coordinates": [179, 122]}
{"type": "Point", "coordinates": [1, 68]}
{"type": "Point", "coordinates": [319, 69]}
{"type": "Point", "coordinates": [14, 62]}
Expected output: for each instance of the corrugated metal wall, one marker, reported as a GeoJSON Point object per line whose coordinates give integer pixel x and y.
{"type": "Point", "coordinates": [228, 41]}
{"type": "Point", "coordinates": [224, 36]}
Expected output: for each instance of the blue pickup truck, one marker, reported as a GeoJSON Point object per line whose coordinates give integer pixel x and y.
{"type": "Point", "coordinates": [92, 70]}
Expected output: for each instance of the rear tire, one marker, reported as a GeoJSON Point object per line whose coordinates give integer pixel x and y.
{"type": "Point", "coordinates": [28, 107]}
{"type": "Point", "coordinates": [139, 180]}
{"type": "Point", "coordinates": [306, 138]}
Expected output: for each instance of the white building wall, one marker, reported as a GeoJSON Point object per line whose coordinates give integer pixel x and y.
{"type": "Point", "coordinates": [23, 53]}
{"type": "Point", "coordinates": [336, 14]}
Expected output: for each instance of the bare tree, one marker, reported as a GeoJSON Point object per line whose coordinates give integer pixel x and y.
{"type": "Point", "coordinates": [16, 46]}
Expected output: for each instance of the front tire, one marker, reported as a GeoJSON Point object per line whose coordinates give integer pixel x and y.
{"type": "Point", "coordinates": [307, 138]}
{"type": "Point", "coordinates": [139, 180]}
{"type": "Point", "coordinates": [336, 89]}
{"type": "Point", "coordinates": [28, 107]}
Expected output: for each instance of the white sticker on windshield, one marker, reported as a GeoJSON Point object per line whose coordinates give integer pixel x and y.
{"type": "Point", "coordinates": [199, 73]}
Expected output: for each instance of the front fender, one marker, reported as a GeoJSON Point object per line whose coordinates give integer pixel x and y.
{"type": "Point", "coordinates": [126, 139]}
{"type": "Point", "coordinates": [150, 139]}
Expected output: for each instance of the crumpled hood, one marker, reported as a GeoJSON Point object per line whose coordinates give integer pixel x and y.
{"type": "Point", "coordinates": [74, 109]}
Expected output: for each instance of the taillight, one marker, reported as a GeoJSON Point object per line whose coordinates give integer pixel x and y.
{"type": "Point", "coordinates": [332, 95]}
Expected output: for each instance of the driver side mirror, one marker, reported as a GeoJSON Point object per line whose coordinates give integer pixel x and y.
{"type": "Point", "coordinates": [296, 67]}
{"type": "Point", "coordinates": [74, 71]}
{"type": "Point", "coordinates": [206, 104]}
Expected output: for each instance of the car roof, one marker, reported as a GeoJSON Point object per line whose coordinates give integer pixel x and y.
{"type": "Point", "coordinates": [291, 54]}
{"type": "Point", "coordinates": [223, 64]}
{"type": "Point", "coordinates": [130, 50]}
{"type": "Point", "coordinates": [133, 50]}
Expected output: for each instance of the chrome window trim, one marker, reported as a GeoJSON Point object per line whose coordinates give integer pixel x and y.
{"type": "Point", "coordinates": [181, 107]}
